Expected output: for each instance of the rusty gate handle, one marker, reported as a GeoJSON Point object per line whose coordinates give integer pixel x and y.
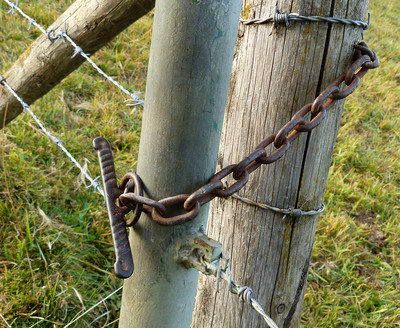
{"type": "Point", "coordinates": [123, 265]}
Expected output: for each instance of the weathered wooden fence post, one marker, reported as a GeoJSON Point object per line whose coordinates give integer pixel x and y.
{"type": "Point", "coordinates": [276, 71]}
{"type": "Point", "coordinates": [190, 63]}
{"type": "Point", "coordinates": [91, 24]}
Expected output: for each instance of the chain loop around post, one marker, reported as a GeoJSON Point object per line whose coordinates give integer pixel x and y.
{"type": "Point", "coordinates": [132, 195]}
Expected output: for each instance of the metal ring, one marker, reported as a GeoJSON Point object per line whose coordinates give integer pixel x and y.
{"type": "Point", "coordinates": [52, 38]}
{"type": "Point", "coordinates": [313, 123]}
{"type": "Point", "coordinates": [277, 154]}
{"type": "Point", "coordinates": [178, 219]}
{"type": "Point", "coordinates": [234, 187]}
{"type": "Point", "coordinates": [354, 67]}
{"type": "Point", "coordinates": [348, 90]}
{"type": "Point", "coordinates": [363, 48]}
{"type": "Point", "coordinates": [202, 195]}
{"type": "Point", "coordinates": [374, 63]}
{"type": "Point", "coordinates": [281, 135]}
{"type": "Point", "coordinates": [266, 142]}
{"type": "Point", "coordinates": [318, 105]}
{"type": "Point", "coordinates": [242, 165]}
{"type": "Point", "coordinates": [131, 181]}
{"type": "Point", "coordinates": [132, 200]}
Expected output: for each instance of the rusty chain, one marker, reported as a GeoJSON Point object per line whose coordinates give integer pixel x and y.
{"type": "Point", "coordinates": [128, 196]}
{"type": "Point", "coordinates": [130, 191]}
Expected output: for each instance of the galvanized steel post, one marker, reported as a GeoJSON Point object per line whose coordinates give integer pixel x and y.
{"type": "Point", "coordinates": [190, 63]}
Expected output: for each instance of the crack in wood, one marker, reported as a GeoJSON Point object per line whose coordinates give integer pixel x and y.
{"type": "Point", "coordinates": [299, 291]}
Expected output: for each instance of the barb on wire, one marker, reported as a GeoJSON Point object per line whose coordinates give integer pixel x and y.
{"type": "Point", "coordinates": [32, 22]}
{"type": "Point", "coordinates": [134, 99]}
{"type": "Point", "coordinates": [283, 18]}
{"type": "Point", "coordinates": [93, 182]}
{"type": "Point", "coordinates": [294, 212]}
{"type": "Point", "coordinates": [13, 6]}
{"type": "Point", "coordinates": [220, 268]}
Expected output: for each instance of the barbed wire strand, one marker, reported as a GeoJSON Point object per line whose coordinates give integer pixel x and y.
{"type": "Point", "coordinates": [294, 212]}
{"type": "Point", "coordinates": [220, 268]}
{"type": "Point", "coordinates": [32, 22]}
{"type": "Point", "coordinates": [93, 182]}
{"type": "Point", "coordinates": [136, 101]}
{"type": "Point", "coordinates": [283, 18]}
{"type": "Point", "coordinates": [134, 98]}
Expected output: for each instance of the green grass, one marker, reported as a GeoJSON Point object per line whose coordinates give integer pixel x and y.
{"type": "Point", "coordinates": [354, 280]}
{"type": "Point", "coordinates": [56, 253]}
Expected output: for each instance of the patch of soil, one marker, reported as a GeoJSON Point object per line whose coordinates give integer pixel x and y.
{"type": "Point", "coordinates": [364, 218]}
{"type": "Point", "coordinates": [378, 238]}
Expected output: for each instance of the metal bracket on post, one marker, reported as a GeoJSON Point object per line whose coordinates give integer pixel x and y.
{"type": "Point", "coordinates": [192, 251]}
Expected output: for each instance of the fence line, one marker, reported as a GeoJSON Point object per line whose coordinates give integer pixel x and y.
{"type": "Point", "coordinates": [32, 22]}
{"type": "Point", "coordinates": [93, 182]}
{"type": "Point", "coordinates": [221, 269]}
{"type": "Point", "coordinates": [133, 101]}
{"type": "Point", "coordinates": [134, 98]}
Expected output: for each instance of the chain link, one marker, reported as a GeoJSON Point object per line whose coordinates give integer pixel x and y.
{"type": "Point", "coordinates": [364, 59]}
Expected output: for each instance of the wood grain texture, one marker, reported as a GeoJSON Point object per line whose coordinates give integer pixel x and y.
{"type": "Point", "coordinates": [276, 71]}
{"type": "Point", "coordinates": [91, 24]}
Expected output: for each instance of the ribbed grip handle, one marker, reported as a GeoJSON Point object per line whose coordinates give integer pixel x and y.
{"type": "Point", "coordinates": [124, 263]}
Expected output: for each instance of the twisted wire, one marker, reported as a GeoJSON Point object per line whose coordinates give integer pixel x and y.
{"type": "Point", "coordinates": [93, 182]}
{"type": "Point", "coordinates": [32, 22]}
{"type": "Point", "coordinates": [136, 101]}
{"type": "Point", "coordinates": [283, 18]}
{"type": "Point", "coordinates": [134, 98]}
{"type": "Point", "coordinates": [220, 268]}
{"type": "Point", "coordinates": [295, 212]}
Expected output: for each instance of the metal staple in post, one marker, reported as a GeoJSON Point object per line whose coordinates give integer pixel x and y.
{"type": "Point", "coordinates": [93, 182]}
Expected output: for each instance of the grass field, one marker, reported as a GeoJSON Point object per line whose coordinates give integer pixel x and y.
{"type": "Point", "coordinates": [56, 253]}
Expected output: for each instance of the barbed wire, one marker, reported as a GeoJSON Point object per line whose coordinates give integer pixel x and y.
{"type": "Point", "coordinates": [220, 268]}
{"type": "Point", "coordinates": [136, 101]}
{"type": "Point", "coordinates": [93, 182]}
{"type": "Point", "coordinates": [32, 22]}
{"type": "Point", "coordinates": [283, 18]}
{"type": "Point", "coordinates": [134, 98]}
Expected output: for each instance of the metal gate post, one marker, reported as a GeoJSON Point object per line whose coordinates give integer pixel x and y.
{"type": "Point", "coordinates": [190, 63]}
